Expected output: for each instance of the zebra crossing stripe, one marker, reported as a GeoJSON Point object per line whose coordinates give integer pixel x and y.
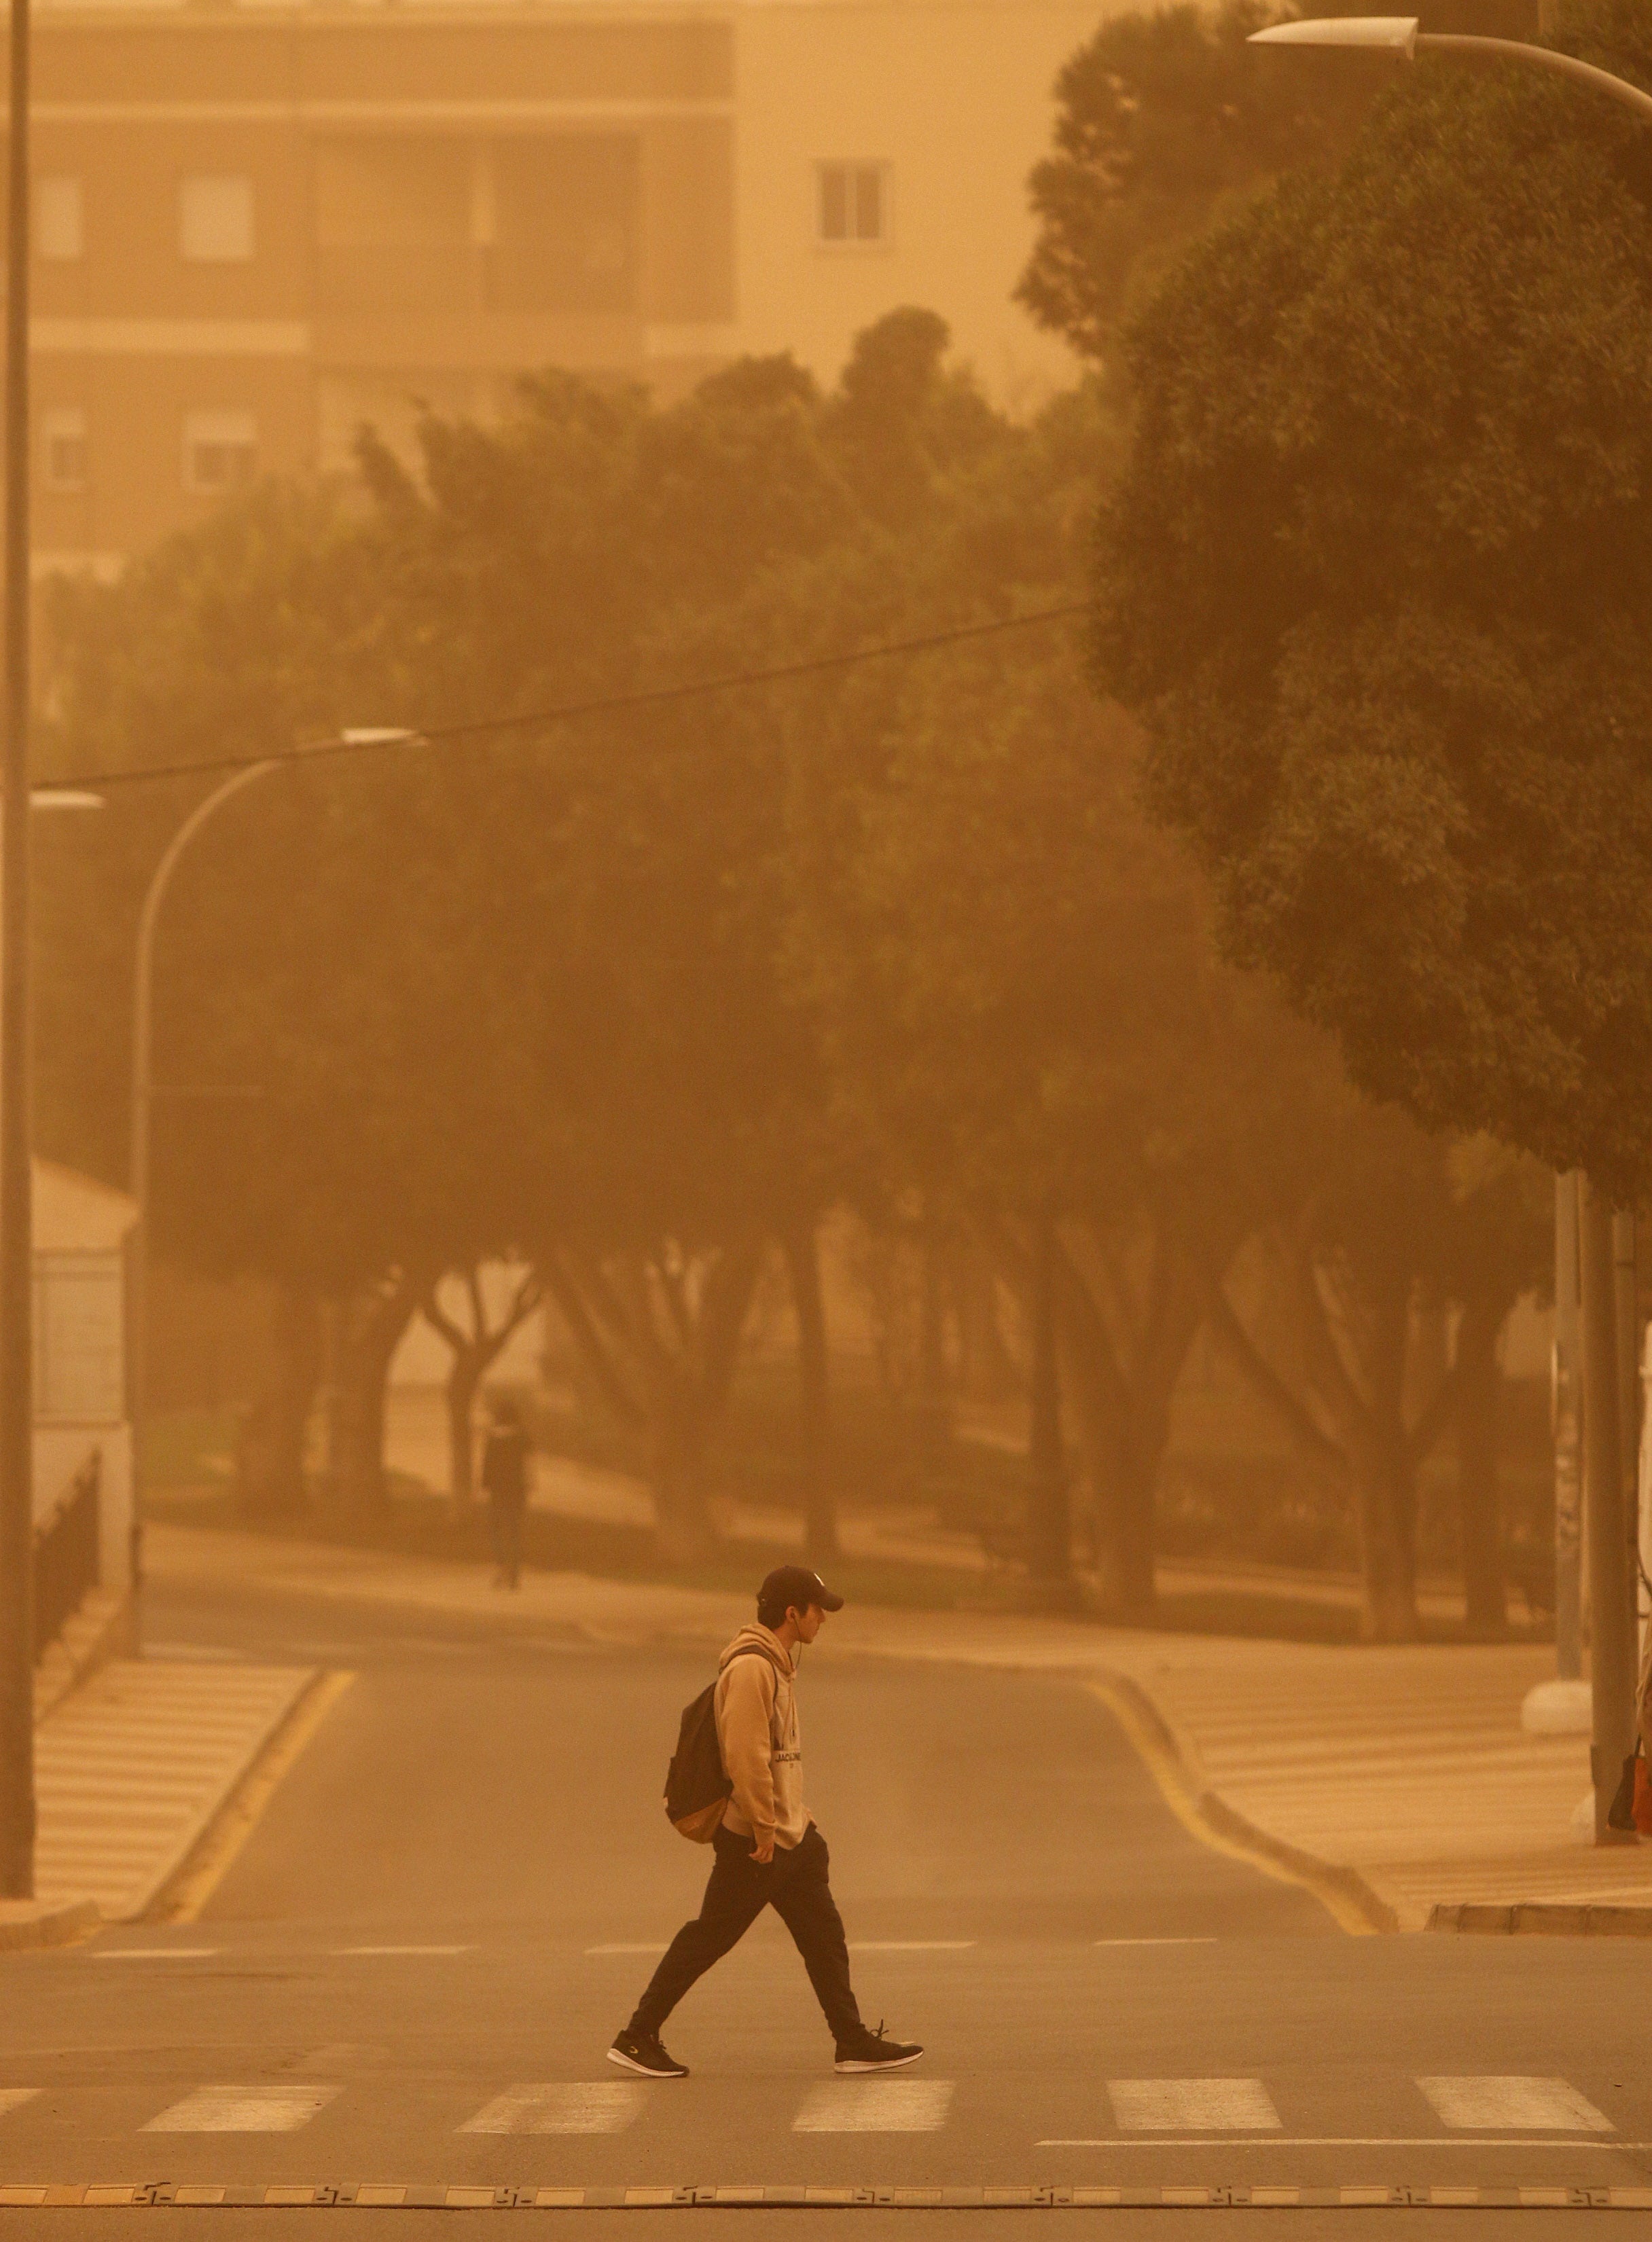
{"type": "Point", "coordinates": [876, 2105]}
{"type": "Point", "coordinates": [600, 2105]}
{"type": "Point", "coordinates": [1538, 2105]}
{"type": "Point", "coordinates": [1192, 2105]}
{"type": "Point", "coordinates": [360, 2195]}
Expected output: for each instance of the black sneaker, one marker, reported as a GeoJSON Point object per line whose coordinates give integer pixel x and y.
{"type": "Point", "coordinates": [870, 2050]}
{"type": "Point", "coordinates": [641, 2051]}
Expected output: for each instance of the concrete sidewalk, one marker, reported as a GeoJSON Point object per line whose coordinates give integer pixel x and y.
{"type": "Point", "coordinates": [135, 1766]}
{"type": "Point", "coordinates": [1396, 1780]}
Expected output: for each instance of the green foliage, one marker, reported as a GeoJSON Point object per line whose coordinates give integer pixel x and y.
{"type": "Point", "coordinates": [1378, 581]}
{"type": "Point", "coordinates": [1163, 120]}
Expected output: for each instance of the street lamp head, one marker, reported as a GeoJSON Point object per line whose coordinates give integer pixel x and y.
{"type": "Point", "coordinates": [1391, 34]}
{"type": "Point", "coordinates": [375, 735]}
{"type": "Point", "coordinates": [63, 797]}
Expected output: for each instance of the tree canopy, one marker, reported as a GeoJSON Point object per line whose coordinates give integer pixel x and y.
{"type": "Point", "coordinates": [1377, 580]}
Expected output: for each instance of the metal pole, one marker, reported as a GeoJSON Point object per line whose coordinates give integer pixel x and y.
{"type": "Point", "coordinates": [1050, 1530]}
{"type": "Point", "coordinates": [1568, 1400]}
{"type": "Point", "coordinates": [143, 1095]}
{"type": "Point", "coordinates": [1611, 1640]}
{"type": "Point", "coordinates": [17, 1250]}
{"type": "Point", "coordinates": [1627, 1304]}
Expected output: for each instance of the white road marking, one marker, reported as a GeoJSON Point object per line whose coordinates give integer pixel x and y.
{"type": "Point", "coordinates": [598, 2106]}
{"type": "Point", "coordinates": [909, 1945]}
{"type": "Point", "coordinates": [13, 2098]}
{"type": "Point", "coordinates": [1238, 2105]}
{"type": "Point", "coordinates": [153, 1953]}
{"type": "Point", "coordinates": [1546, 2105]}
{"type": "Point", "coordinates": [657, 1947]}
{"type": "Point", "coordinates": [876, 2105]}
{"type": "Point", "coordinates": [337, 1950]}
{"type": "Point", "coordinates": [1154, 1942]}
{"type": "Point", "coordinates": [243, 2110]}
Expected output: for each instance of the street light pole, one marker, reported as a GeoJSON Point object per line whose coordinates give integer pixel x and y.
{"type": "Point", "coordinates": [16, 1244]}
{"type": "Point", "coordinates": [142, 1091]}
{"type": "Point", "coordinates": [1607, 1274]}
{"type": "Point", "coordinates": [1611, 1628]}
{"type": "Point", "coordinates": [1399, 36]}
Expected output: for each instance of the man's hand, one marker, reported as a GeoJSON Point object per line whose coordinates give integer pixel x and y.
{"type": "Point", "coordinates": [764, 1852]}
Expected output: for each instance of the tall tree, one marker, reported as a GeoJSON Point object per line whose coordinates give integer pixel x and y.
{"type": "Point", "coordinates": [1377, 582]}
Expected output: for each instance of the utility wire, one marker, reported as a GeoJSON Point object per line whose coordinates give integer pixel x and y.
{"type": "Point", "coordinates": [571, 711]}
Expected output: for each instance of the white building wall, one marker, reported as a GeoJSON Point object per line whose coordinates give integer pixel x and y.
{"type": "Point", "coordinates": [954, 97]}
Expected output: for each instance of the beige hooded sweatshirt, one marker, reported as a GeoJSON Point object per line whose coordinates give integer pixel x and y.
{"type": "Point", "coordinates": [762, 1752]}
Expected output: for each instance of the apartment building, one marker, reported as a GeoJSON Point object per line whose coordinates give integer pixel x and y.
{"type": "Point", "coordinates": [257, 227]}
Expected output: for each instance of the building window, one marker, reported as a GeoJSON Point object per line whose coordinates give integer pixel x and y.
{"type": "Point", "coordinates": [220, 452]}
{"type": "Point", "coordinates": [215, 220]}
{"type": "Point", "coordinates": [852, 202]}
{"type": "Point", "coordinates": [62, 440]}
{"type": "Point", "coordinates": [59, 231]}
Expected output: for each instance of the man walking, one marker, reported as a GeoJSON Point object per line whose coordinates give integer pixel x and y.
{"type": "Point", "coordinates": [768, 1852]}
{"type": "Point", "coordinates": [505, 1482]}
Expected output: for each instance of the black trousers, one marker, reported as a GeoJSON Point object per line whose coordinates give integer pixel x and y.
{"type": "Point", "coordinates": [795, 1884]}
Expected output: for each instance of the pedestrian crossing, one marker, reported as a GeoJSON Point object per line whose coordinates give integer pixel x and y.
{"type": "Point", "coordinates": [1533, 2110]}
{"type": "Point", "coordinates": [876, 2105]}
{"type": "Point", "coordinates": [243, 2110]}
{"type": "Point", "coordinates": [589, 2106]}
{"type": "Point", "coordinates": [1188, 2106]}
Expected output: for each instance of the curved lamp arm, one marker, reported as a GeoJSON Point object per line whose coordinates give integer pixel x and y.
{"type": "Point", "coordinates": [142, 1023]}
{"type": "Point", "coordinates": [1399, 36]}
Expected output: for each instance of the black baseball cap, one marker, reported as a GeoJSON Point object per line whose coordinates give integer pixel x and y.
{"type": "Point", "coordinates": [794, 1587]}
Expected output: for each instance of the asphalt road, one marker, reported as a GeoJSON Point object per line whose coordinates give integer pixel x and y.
{"type": "Point", "coordinates": [412, 1971]}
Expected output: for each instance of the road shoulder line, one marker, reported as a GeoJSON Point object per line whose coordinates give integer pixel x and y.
{"type": "Point", "coordinates": [1205, 1814]}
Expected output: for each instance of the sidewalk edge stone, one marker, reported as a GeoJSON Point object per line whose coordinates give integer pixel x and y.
{"type": "Point", "coordinates": [26, 1923]}
{"type": "Point", "coordinates": [1328, 1878]}
{"type": "Point", "coordinates": [1542, 1919]}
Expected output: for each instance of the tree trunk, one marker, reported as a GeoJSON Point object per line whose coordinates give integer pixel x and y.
{"type": "Point", "coordinates": [1049, 1518]}
{"type": "Point", "coordinates": [686, 1533]}
{"type": "Point", "coordinates": [820, 1507]}
{"type": "Point", "coordinates": [1477, 1491]}
{"type": "Point", "coordinates": [269, 1458]}
{"type": "Point", "coordinates": [1136, 1469]}
{"type": "Point", "coordinates": [934, 1398]}
{"type": "Point", "coordinates": [464, 1376]}
{"type": "Point", "coordinates": [373, 1327]}
{"type": "Point", "coordinates": [1383, 1490]}
{"type": "Point", "coordinates": [987, 1367]}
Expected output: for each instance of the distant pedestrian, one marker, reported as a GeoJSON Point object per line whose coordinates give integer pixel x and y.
{"type": "Point", "coordinates": [505, 1481]}
{"type": "Point", "coordinates": [768, 1852]}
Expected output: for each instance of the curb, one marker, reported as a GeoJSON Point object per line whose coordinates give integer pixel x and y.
{"type": "Point", "coordinates": [168, 2195]}
{"type": "Point", "coordinates": [26, 1923]}
{"type": "Point", "coordinates": [190, 1882]}
{"type": "Point", "coordinates": [1543, 1919]}
{"type": "Point", "coordinates": [1342, 1890]}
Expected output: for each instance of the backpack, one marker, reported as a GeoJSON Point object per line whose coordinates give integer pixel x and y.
{"type": "Point", "coordinates": [697, 1788]}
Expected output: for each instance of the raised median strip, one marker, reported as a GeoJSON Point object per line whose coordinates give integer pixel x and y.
{"type": "Point", "coordinates": [375, 2195]}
